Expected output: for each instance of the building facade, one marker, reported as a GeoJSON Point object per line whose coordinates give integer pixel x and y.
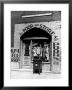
{"type": "Point", "coordinates": [41, 39]}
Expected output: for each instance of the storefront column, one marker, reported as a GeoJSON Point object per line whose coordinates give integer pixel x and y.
{"type": "Point", "coordinates": [50, 55]}
{"type": "Point", "coordinates": [56, 59]}
{"type": "Point", "coordinates": [52, 50]}
{"type": "Point", "coordinates": [20, 63]}
{"type": "Point", "coordinates": [31, 50]}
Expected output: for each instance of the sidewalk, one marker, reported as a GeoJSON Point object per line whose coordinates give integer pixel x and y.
{"type": "Point", "coordinates": [28, 74]}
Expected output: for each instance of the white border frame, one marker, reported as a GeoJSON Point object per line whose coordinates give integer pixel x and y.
{"type": "Point", "coordinates": [64, 8]}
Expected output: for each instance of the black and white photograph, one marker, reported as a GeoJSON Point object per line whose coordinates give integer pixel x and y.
{"type": "Point", "coordinates": [35, 44]}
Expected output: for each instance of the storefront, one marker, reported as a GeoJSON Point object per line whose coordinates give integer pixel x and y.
{"type": "Point", "coordinates": [37, 39]}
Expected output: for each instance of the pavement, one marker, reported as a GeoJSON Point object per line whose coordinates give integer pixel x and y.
{"type": "Point", "coordinates": [28, 74]}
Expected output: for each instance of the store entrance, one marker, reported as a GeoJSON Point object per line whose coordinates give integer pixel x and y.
{"type": "Point", "coordinates": [36, 50]}
{"type": "Point", "coordinates": [41, 54]}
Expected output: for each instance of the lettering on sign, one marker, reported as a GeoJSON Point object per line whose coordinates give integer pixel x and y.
{"type": "Point", "coordinates": [14, 55]}
{"type": "Point", "coordinates": [56, 38]}
{"type": "Point", "coordinates": [41, 26]}
{"type": "Point", "coordinates": [56, 51]}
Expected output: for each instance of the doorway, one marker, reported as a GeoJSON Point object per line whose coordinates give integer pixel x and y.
{"type": "Point", "coordinates": [37, 43]}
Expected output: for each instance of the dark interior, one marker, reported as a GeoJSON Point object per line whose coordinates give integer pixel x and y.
{"type": "Point", "coordinates": [36, 32]}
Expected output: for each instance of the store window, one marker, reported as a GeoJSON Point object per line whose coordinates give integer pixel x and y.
{"type": "Point", "coordinates": [26, 50]}
{"type": "Point", "coordinates": [46, 53]}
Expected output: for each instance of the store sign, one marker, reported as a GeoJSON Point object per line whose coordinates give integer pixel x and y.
{"type": "Point", "coordinates": [56, 51]}
{"type": "Point", "coordinates": [41, 26]}
{"type": "Point", "coordinates": [56, 38]}
{"type": "Point", "coordinates": [14, 55]}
